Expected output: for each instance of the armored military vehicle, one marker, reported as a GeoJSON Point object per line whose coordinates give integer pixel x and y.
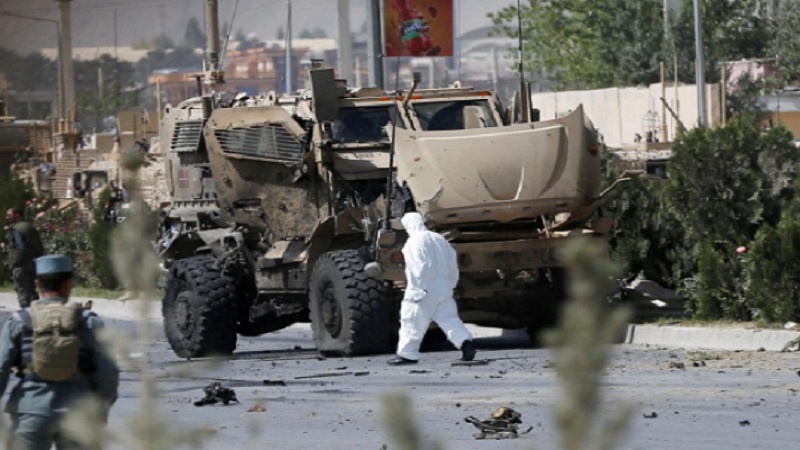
{"type": "Point", "coordinates": [286, 208]}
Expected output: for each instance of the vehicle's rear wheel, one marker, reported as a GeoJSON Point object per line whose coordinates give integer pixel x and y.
{"type": "Point", "coordinates": [351, 313]}
{"type": "Point", "coordinates": [199, 309]}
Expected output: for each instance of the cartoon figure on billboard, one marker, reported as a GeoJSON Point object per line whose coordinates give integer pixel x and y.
{"type": "Point", "coordinates": [413, 28]}
{"type": "Point", "coordinates": [422, 27]}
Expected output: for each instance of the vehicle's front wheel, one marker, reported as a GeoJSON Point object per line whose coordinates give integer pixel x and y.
{"type": "Point", "coordinates": [199, 309]}
{"type": "Point", "coordinates": [351, 313]}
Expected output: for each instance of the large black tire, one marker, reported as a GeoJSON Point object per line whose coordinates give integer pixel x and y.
{"type": "Point", "coordinates": [199, 309]}
{"type": "Point", "coordinates": [351, 313]}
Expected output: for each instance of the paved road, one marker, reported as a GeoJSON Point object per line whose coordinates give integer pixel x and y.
{"type": "Point", "coordinates": [697, 408]}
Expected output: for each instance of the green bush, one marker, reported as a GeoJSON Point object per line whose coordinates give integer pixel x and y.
{"type": "Point", "coordinates": [773, 286]}
{"type": "Point", "coordinates": [14, 193]}
{"type": "Point", "coordinates": [65, 231]}
{"type": "Point", "coordinates": [720, 285]}
{"type": "Point", "coordinates": [729, 187]}
{"type": "Point", "coordinates": [100, 238]}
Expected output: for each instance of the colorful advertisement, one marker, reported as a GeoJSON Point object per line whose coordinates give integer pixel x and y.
{"type": "Point", "coordinates": [418, 27]}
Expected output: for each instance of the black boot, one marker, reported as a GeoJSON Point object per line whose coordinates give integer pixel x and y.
{"type": "Point", "coordinates": [400, 361]}
{"type": "Point", "coordinates": [467, 351]}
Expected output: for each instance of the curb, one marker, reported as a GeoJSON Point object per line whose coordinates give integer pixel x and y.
{"type": "Point", "coordinates": [110, 309]}
{"type": "Point", "coordinates": [710, 338]}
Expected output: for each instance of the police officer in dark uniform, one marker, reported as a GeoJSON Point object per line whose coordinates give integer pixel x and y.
{"type": "Point", "coordinates": [37, 404]}
{"type": "Point", "coordinates": [24, 246]}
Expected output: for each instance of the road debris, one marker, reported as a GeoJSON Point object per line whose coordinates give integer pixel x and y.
{"type": "Point", "coordinates": [418, 371]}
{"type": "Point", "coordinates": [793, 345]}
{"type": "Point", "coordinates": [677, 365]}
{"type": "Point", "coordinates": [333, 374]}
{"type": "Point", "coordinates": [652, 415]}
{"type": "Point", "coordinates": [274, 383]}
{"type": "Point", "coordinates": [481, 362]}
{"type": "Point", "coordinates": [503, 424]}
{"type": "Point", "coordinates": [744, 423]}
{"type": "Point", "coordinates": [257, 408]}
{"type": "Point", "coordinates": [699, 363]}
{"type": "Point", "coordinates": [215, 393]}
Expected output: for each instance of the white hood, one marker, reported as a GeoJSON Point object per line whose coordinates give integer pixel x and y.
{"type": "Point", "coordinates": [431, 262]}
{"type": "Point", "coordinates": [413, 223]}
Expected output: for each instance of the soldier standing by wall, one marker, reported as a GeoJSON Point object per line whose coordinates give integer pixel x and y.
{"type": "Point", "coordinates": [53, 347]}
{"type": "Point", "coordinates": [24, 246]}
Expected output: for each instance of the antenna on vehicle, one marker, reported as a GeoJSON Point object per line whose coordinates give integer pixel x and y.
{"type": "Point", "coordinates": [524, 96]}
{"type": "Point", "coordinates": [214, 75]}
{"type": "Point", "coordinates": [390, 178]}
{"type": "Point", "coordinates": [228, 35]}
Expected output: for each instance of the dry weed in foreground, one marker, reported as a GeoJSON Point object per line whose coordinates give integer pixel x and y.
{"type": "Point", "coordinates": [399, 420]}
{"type": "Point", "coordinates": [581, 351]}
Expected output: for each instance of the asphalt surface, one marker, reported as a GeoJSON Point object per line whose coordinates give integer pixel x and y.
{"type": "Point", "coordinates": [701, 399]}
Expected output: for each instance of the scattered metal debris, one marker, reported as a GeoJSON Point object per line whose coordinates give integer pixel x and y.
{"type": "Point", "coordinates": [793, 345]}
{"type": "Point", "coordinates": [503, 424]}
{"type": "Point", "coordinates": [215, 393]}
{"type": "Point", "coordinates": [677, 365]}
{"type": "Point", "coordinates": [652, 415]}
{"type": "Point", "coordinates": [482, 362]}
{"type": "Point", "coordinates": [333, 374]}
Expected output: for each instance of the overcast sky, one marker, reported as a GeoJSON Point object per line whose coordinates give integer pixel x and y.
{"type": "Point", "coordinates": [93, 20]}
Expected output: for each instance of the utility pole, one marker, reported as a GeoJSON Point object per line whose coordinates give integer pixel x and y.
{"type": "Point", "coordinates": [700, 65]}
{"type": "Point", "coordinates": [345, 43]}
{"type": "Point", "coordinates": [214, 75]}
{"type": "Point", "coordinates": [375, 43]}
{"type": "Point", "coordinates": [66, 63]}
{"type": "Point", "coordinates": [288, 45]}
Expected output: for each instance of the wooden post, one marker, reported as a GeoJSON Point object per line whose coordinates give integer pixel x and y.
{"type": "Point", "coordinates": [724, 88]}
{"type": "Point", "coordinates": [663, 106]}
{"type": "Point", "coordinates": [677, 99]}
{"type": "Point", "coordinates": [158, 99]}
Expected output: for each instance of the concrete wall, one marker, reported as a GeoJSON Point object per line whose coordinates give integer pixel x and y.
{"type": "Point", "coordinates": [620, 114]}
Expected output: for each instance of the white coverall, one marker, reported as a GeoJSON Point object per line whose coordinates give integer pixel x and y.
{"type": "Point", "coordinates": [431, 276]}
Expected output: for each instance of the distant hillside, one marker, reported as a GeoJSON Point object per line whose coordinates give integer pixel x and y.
{"type": "Point", "coordinates": [93, 20]}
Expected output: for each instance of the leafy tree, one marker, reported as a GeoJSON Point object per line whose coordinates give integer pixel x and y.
{"type": "Point", "coordinates": [589, 43]}
{"type": "Point", "coordinates": [178, 58]}
{"type": "Point", "coordinates": [731, 31]}
{"type": "Point", "coordinates": [100, 239]}
{"type": "Point", "coordinates": [100, 89]}
{"type": "Point", "coordinates": [163, 42]}
{"type": "Point", "coordinates": [194, 37]}
{"type": "Point", "coordinates": [785, 45]}
{"type": "Point", "coordinates": [771, 289]}
{"type": "Point", "coordinates": [602, 43]}
{"type": "Point", "coordinates": [726, 184]}
{"type": "Point", "coordinates": [316, 33]}
{"type": "Point", "coordinates": [647, 238]}
{"type": "Point", "coordinates": [32, 72]}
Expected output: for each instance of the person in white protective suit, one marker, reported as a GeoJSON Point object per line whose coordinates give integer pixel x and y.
{"type": "Point", "coordinates": [431, 276]}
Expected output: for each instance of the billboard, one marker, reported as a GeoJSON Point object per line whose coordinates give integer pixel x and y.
{"type": "Point", "coordinates": [418, 27]}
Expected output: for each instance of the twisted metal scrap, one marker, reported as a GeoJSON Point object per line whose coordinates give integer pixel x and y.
{"type": "Point", "coordinates": [215, 393]}
{"type": "Point", "coordinates": [503, 424]}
